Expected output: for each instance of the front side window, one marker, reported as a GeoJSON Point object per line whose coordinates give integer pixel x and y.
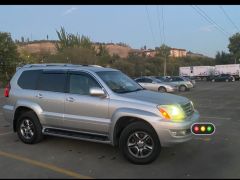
{"type": "Point", "coordinates": [54, 82]}
{"type": "Point", "coordinates": [119, 82]}
{"type": "Point", "coordinates": [81, 84]}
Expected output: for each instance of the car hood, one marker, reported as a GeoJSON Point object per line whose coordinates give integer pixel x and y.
{"type": "Point", "coordinates": [156, 97]}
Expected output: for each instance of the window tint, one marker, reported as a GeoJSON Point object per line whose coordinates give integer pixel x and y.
{"type": "Point", "coordinates": [81, 84]}
{"type": "Point", "coordinates": [177, 79]}
{"type": "Point", "coordinates": [140, 80]}
{"type": "Point", "coordinates": [147, 80]}
{"type": "Point", "coordinates": [28, 79]}
{"type": "Point", "coordinates": [54, 82]}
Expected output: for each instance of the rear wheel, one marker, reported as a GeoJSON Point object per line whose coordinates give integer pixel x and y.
{"type": "Point", "coordinates": [162, 89]}
{"type": "Point", "coordinates": [139, 143]}
{"type": "Point", "coordinates": [29, 129]}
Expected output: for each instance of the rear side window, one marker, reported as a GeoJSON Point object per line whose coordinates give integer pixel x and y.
{"type": "Point", "coordinates": [55, 82]}
{"type": "Point", "coordinates": [28, 79]}
{"type": "Point", "coordinates": [140, 80]}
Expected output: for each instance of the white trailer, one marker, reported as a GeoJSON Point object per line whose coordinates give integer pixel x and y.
{"type": "Point", "coordinates": [185, 71]}
{"type": "Point", "coordinates": [203, 71]}
{"type": "Point", "coordinates": [232, 69]}
{"type": "Point", "coordinates": [196, 71]}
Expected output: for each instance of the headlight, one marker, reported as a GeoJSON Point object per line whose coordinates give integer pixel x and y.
{"type": "Point", "coordinates": [172, 112]}
{"type": "Point", "coordinates": [192, 105]}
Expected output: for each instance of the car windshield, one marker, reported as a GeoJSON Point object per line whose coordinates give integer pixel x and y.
{"type": "Point", "coordinates": [119, 82]}
{"type": "Point", "coordinates": [157, 80]}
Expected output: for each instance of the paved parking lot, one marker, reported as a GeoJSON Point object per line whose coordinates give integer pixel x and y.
{"type": "Point", "coordinates": [214, 156]}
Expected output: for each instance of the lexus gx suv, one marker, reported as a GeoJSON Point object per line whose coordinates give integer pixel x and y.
{"type": "Point", "coordinates": [96, 104]}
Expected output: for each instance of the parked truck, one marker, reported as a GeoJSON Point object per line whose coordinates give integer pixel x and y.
{"type": "Point", "coordinates": [203, 72]}
{"type": "Point", "coordinates": [232, 69]}
{"type": "Point", "coordinates": [199, 72]}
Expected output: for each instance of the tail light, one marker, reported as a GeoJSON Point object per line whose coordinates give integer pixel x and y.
{"type": "Point", "coordinates": [7, 90]}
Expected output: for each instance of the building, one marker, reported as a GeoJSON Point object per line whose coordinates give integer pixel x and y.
{"type": "Point", "coordinates": [175, 52]}
{"type": "Point", "coordinates": [149, 53]}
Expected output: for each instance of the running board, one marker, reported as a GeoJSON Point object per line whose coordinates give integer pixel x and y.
{"type": "Point", "coordinates": [76, 135]}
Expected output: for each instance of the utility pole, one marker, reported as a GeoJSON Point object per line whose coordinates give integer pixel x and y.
{"type": "Point", "coordinates": [165, 64]}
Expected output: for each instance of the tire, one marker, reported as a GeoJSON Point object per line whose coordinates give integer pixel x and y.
{"type": "Point", "coordinates": [213, 80]}
{"type": "Point", "coordinates": [128, 134]}
{"type": "Point", "coordinates": [182, 88]}
{"type": "Point", "coordinates": [227, 80]}
{"type": "Point", "coordinates": [29, 122]}
{"type": "Point", "coordinates": [162, 89]}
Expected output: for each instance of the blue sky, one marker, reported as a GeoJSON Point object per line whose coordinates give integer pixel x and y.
{"type": "Point", "coordinates": [183, 26]}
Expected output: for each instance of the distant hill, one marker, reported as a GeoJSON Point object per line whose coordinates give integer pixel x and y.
{"type": "Point", "coordinates": [49, 46]}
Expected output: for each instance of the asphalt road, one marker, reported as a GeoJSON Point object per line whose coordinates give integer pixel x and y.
{"type": "Point", "coordinates": [215, 156]}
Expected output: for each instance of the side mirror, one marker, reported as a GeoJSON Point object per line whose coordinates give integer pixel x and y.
{"type": "Point", "coordinates": [95, 91]}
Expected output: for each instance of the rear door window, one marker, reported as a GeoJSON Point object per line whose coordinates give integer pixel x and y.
{"type": "Point", "coordinates": [51, 81]}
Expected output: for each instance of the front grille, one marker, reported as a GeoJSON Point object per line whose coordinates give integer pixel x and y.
{"type": "Point", "coordinates": [188, 109]}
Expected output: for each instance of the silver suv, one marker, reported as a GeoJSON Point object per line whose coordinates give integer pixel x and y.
{"type": "Point", "coordinates": [96, 104]}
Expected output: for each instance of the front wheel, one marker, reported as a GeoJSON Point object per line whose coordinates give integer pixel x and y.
{"type": "Point", "coordinates": [182, 88]}
{"type": "Point", "coordinates": [162, 89]}
{"type": "Point", "coordinates": [139, 143]}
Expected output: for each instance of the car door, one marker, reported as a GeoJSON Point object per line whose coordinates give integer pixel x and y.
{"type": "Point", "coordinates": [151, 85]}
{"type": "Point", "coordinates": [143, 82]}
{"type": "Point", "coordinates": [84, 112]}
{"type": "Point", "coordinates": [50, 96]}
{"type": "Point", "coordinates": [174, 80]}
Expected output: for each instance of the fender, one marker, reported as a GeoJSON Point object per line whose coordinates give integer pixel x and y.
{"type": "Point", "coordinates": [31, 105]}
{"type": "Point", "coordinates": [147, 116]}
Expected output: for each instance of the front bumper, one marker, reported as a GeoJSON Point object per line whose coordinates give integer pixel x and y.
{"type": "Point", "coordinates": [171, 133]}
{"type": "Point", "coordinates": [190, 86]}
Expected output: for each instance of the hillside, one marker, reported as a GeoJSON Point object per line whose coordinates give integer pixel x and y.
{"type": "Point", "coordinates": [36, 47]}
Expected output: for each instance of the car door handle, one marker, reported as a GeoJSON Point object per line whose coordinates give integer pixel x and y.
{"type": "Point", "coordinates": [70, 99]}
{"type": "Point", "coordinates": [40, 96]}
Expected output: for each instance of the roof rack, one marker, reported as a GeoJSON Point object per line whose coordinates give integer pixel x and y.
{"type": "Point", "coordinates": [56, 64]}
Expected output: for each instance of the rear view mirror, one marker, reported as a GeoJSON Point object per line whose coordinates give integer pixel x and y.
{"type": "Point", "coordinates": [95, 91]}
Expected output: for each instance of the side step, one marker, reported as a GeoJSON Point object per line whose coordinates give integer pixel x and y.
{"type": "Point", "coordinates": [76, 135]}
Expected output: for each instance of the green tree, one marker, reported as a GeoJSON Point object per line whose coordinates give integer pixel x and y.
{"type": "Point", "coordinates": [76, 55]}
{"type": "Point", "coordinates": [163, 51]}
{"type": "Point", "coordinates": [67, 40]}
{"type": "Point", "coordinates": [234, 45]}
{"type": "Point", "coordinates": [224, 58]}
{"type": "Point", "coordinates": [9, 56]}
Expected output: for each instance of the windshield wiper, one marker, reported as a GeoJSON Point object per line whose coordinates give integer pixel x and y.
{"type": "Point", "coordinates": [128, 91]}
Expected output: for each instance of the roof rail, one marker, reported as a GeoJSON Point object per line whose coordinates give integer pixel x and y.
{"type": "Point", "coordinates": [57, 64]}
{"type": "Point", "coordinates": [49, 64]}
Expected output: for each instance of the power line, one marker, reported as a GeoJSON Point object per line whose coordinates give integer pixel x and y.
{"type": "Point", "coordinates": [207, 18]}
{"type": "Point", "coordinates": [212, 20]}
{"type": "Point", "coordinates": [159, 24]}
{"type": "Point", "coordinates": [150, 25]}
{"type": "Point", "coordinates": [228, 17]}
{"type": "Point", "coordinates": [163, 27]}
